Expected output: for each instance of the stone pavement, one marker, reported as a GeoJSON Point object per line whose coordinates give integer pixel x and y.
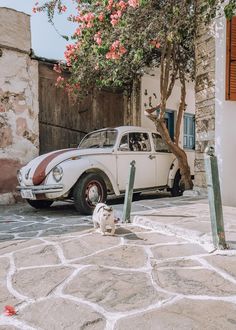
{"type": "Point", "coordinates": [160, 272]}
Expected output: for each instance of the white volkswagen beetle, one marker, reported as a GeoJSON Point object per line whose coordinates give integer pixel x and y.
{"type": "Point", "coordinates": [100, 167]}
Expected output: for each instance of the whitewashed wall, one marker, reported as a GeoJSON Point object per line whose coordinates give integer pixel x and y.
{"type": "Point", "coordinates": [151, 84]}
{"type": "Point", "coordinates": [19, 133]}
{"type": "Point", "coordinates": [225, 121]}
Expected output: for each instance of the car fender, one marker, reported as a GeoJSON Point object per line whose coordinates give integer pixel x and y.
{"type": "Point", "coordinates": [73, 169]}
{"type": "Point", "coordinates": [173, 170]}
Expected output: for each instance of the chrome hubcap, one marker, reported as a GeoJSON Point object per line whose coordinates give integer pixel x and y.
{"type": "Point", "coordinates": [93, 193]}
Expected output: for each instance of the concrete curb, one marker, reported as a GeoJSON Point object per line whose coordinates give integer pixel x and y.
{"type": "Point", "coordinates": [192, 236]}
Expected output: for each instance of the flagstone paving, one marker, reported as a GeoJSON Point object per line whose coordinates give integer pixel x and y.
{"type": "Point", "coordinates": [155, 273]}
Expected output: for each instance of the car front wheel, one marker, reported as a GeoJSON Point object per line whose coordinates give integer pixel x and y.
{"type": "Point", "coordinates": [39, 204]}
{"type": "Point", "coordinates": [89, 190]}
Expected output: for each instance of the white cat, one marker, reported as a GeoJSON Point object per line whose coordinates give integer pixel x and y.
{"type": "Point", "coordinates": [103, 216]}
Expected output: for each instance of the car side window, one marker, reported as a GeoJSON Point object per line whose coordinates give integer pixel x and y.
{"type": "Point", "coordinates": [159, 144]}
{"type": "Point", "coordinates": [135, 142]}
{"type": "Point", "coordinates": [124, 144]}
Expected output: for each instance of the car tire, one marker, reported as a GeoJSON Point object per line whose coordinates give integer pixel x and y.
{"type": "Point", "coordinates": [89, 190]}
{"type": "Point", "coordinates": [39, 204]}
{"type": "Point", "coordinates": [176, 190]}
{"type": "Point", "coordinates": [136, 196]}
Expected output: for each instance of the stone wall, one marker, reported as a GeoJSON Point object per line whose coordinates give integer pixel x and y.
{"type": "Point", "coordinates": [205, 101]}
{"type": "Point", "coordinates": [18, 100]}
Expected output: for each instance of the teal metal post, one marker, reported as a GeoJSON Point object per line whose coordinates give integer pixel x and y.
{"type": "Point", "coordinates": [129, 192]}
{"type": "Point", "coordinates": [214, 199]}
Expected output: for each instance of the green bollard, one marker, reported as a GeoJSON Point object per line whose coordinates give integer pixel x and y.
{"type": "Point", "coordinates": [214, 198]}
{"type": "Point", "coordinates": [129, 193]}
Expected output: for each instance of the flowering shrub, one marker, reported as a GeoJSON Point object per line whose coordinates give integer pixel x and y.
{"type": "Point", "coordinates": [100, 43]}
{"type": "Point", "coordinates": [115, 39]}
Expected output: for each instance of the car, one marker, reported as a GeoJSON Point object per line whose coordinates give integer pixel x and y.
{"type": "Point", "coordinates": [99, 168]}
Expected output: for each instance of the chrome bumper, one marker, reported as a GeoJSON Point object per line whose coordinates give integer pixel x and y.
{"type": "Point", "coordinates": [50, 188]}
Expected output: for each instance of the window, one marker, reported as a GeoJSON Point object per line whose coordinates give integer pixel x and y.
{"type": "Point", "coordinates": [189, 131]}
{"type": "Point", "coordinates": [159, 143]}
{"type": "Point", "coordinates": [169, 119]}
{"type": "Point", "coordinates": [231, 60]}
{"type": "Point", "coordinates": [135, 142]}
{"type": "Point", "coordinates": [99, 139]}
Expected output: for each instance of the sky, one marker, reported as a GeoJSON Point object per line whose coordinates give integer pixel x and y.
{"type": "Point", "coordinates": [46, 42]}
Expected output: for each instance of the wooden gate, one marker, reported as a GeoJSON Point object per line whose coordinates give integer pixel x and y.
{"type": "Point", "coordinates": [62, 124]}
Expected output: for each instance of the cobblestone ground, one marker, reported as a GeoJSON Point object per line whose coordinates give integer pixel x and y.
{"type": "Point", "coordinates": [61, 274]}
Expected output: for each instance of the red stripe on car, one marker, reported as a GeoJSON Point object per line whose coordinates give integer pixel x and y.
{"type": "Point", "coordinates": [40, 173]}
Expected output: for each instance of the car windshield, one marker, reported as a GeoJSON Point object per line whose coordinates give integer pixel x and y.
{"type": "Point", "coordinates": [99, 139]}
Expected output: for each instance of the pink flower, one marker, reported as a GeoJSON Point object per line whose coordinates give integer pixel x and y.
{"type": "Point", "coordinates": [122, 5]}
{"type": "Point", "coordinates": [101, 17]}
{"type": "Point", "coordinates": [155, 43]}
{"type": "Point", "coordinates": [115, 56]}
{"type": "Point", "coordinates": [122, 50]}
{"type": "Point", "coordinates": [116, 50]}
{"type": "Point", "coordinates": [119, 13]}
{"type": "Point", "coordinates": [57, 68]}
{"type": "Point", "coordinates": [89, 25]}
{"type": "Point", "coordinates": [110, 4]}
{"type": "Point", "coordinates": [98, 41]}
{"type": "Point", "coordinates": [60, 79]}
{"type": "Point", "coordinates": [62, 8]}
{"type": "Point", "coordinates": [133, 3]}
{"type": "Point", "coordinates": [114, 22]}
{"type": "Point", "coordinates": [115, 17]}
{"type": "Point", "coordinates": [78, 32]}
{"type": "Point", "coordinates": [108, 55]}
{"type": "Point", "coordinates": [9, 310]}
{"type": "Point", "coordinates": [88, 17]}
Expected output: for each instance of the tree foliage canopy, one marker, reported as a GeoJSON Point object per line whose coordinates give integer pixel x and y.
{"type": "Point", "coordinates": [115, 40]}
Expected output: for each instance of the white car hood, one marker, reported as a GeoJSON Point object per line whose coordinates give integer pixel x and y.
{"type": "Point", "coordinates": [38, 168]}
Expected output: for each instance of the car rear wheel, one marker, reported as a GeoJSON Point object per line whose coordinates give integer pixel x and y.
{"type": "Point", "coordinates": [39, 204]}
{"type": "Point", "coordinates": [89, 190]}
{"type": "Point", "coordinates": [176, 190]}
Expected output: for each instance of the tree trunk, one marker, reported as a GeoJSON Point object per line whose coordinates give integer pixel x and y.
{"type": "Point", "coordinates": [186, 181]}
{"type": "Point", "coordinates": [170, 66]}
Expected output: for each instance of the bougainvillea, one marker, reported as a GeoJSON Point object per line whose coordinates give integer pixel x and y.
{"type": "Point", "coordinates": [115, 39]}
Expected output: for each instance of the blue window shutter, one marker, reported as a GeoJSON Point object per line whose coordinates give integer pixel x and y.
{"type": "Point", "coordinates": [169, 117]}
{"type": "Point", "coordinates": [189, 131]}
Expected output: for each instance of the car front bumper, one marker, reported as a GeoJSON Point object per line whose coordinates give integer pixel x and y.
{"type": "Point", "coordinates": [30, 192]}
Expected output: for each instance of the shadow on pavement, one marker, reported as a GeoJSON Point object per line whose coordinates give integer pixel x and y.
{"type": "Point", "coordinates": [21, 221]}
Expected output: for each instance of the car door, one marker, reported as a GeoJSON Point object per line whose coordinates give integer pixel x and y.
{"type": "Point", "coordinates": [136, 146]}
{"type": "Point", "coordinates": [163, 159]}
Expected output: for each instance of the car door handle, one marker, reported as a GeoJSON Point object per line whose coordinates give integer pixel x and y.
{"type": "Point", "coordinates": [151, 156]}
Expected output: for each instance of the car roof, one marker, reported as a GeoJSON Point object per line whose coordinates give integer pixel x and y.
{"type": "Point", "coordinates": [123, 129]}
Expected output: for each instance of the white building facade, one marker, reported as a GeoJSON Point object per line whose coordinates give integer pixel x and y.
{"type": "Point", "coordinates": [225, 107]}
{"type": "Point", "coordinates": [216, 103]}
{"type": "Point", "coordinates": [150, 97]}
{"type": "Point", "coordinates": [19, 133]}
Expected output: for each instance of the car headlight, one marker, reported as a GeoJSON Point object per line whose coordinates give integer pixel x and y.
{"type": "Point", "coordinates": [19, 176]}
{"type": "Point", "coordinates": [57, 173]}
